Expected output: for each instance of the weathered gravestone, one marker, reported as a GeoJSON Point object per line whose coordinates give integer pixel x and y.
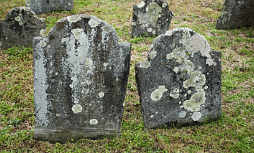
{"type": "Point", "coordinates": [180, 81]}
{"type": "Point", "coordinates": [45, 6]}
{"type": "Point", "coordinates": [80, 79]}
{"type": "Point", "coordinates": [151, 17]}
{"type": "Point", "coordinates": [236, 13]}
{"type": "Point", "coordinates": [20, 27]}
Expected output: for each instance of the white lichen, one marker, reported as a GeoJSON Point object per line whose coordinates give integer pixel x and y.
{"type": "Point", "coordinates": [93, 121]}
{"type": "Point", "coordinates": [176, 69]}
{"type": "Point", "coordinates": [43, 32]}
{"type": "Point", "coordinates": [141, 4]}
{"type": "Point", "coordinates": [158, 93]}
{"type": "Point", "coordinates": [182, 114]}
{"type": "Point", "coordinates": [149, 29]}
{"type": "Point", "coordinates": [43, 43]}
{"type": "Point", "coordinates": [93, 23]}
{"type": "Point", "coordinates": [175, 93]}
{"type": "Point", "coordinates": [196, 116]}
{"type": "Point", "coordinates": [77, 108]}
{"type": "Point", "coordinates": [164, 5]}
{"type": "Point", "coordinates": [73, 18]}
{"type": "Point", "coordinates": [152, 54]}
{"type": "Point", "coordinates": [101, 94]}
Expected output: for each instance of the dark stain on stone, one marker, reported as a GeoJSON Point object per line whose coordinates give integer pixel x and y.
{"type": "Point", "coordinates": [60, 26]}
{"type": "Point", "coordinates": [76, 25]}
{"type": "Point", "coordinates": [16, 27]}
{"type": "Point", "coordinates": [51, 38]}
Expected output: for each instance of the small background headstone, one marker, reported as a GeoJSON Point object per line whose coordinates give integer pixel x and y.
{"type": "Point", "coordinates": [80, 79]}
{"type": "Point", "coordinates": [20, 27]}
{"type": "Point", "coordinates": [151, 18]}
{"type": "Point", "coordinates": [46, 6]}
{"type": "Point", "coordinates": [236, 13]}
{"type": "Point", "coordinates": [180, 81]}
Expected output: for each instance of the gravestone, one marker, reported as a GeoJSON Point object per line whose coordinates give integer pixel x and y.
{"type": "Point", "coordinates": [151, 18]}
{"type": "Point", "coordinates": [180, 81]}
{"type": "Point", "coordinates": [46, 6]}
{"type": "Point", "coordinates": [236, 13]}
{"type": "Point", "coordinates": [80, 79]}
{"type": "Point", "coordinates": [20, 27]}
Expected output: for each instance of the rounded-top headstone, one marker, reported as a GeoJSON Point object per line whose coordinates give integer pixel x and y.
{"type": "Point", "coordinates": [151, 18]}
{"type": "Point", "coordinates": [236, 13]}
{"type": "Point", "coordinates": [80, 79]}
{"type": "Point", "coordinates": [180, 81]}
{"type": "Point", "coordinates": [21, 25]}
{"type": "Point", "coordinates": [46, 6]}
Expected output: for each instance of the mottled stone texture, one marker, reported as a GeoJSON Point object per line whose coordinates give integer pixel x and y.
{"type": "Point", "coordinates": [80, 79]}
{"type": "Point", "coordinates": [236, 13]}
{"type": "Point", "coordinates": [20, 27]}
{"type": "Point", "coordinates": [180, 81]}
{"type": "Point", "coordinates": [45, 6]}
{"type": "Point", "coordinates": [151, 17]}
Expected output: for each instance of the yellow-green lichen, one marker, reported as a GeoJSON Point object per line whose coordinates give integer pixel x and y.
{"type": "Point", "coordinates": [158, 93]}
{"type": "Point", "coordinates": [144, 64]}
{"type": "Point", "coordinates": [196, 80]}
{"type": "Point", "coordinates": [77, 33]}
{"type": "Point", "coordinates": [196, 100]}
{"type": "Point", "coordinates": [153, 11]}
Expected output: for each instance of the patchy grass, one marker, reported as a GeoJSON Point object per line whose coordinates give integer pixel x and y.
{"type": "Point", "coordinates": [234, 132]}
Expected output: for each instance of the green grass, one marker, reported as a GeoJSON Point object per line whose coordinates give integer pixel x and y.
{"type": "Point", "coordinates": [233, 132]}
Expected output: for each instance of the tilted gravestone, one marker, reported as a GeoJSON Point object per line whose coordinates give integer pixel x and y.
{"type": "Point", "coordinates": [151, 18]}
{"type": "Point", "coordinates": [20, 27]}
{"type": "Point", "coordinates": [236, 13]}
{"type": "Point", "coordinates": [180, 81]}
{"type": "Point", "coordinates": [46, 6]}
{"type": "Point", "coordinates": [80, 79]}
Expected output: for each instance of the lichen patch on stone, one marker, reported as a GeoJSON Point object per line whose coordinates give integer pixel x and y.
{"type": "Point", "coordinates": [196, 116]}
{"type": "Point", "coordinates": [77, 108]}
{"type": "Point", "coordinates": [182, 114]}
{"type": "Point", "coordinates": [195, 101]}
{"type": "Point", "coordinates": [144, 64]}
{"type": "Point", "coordinates": [93, 23]}
{"type": "Point", "coordinates": [158, 93]}
{"type": "Point", "coordinates": [93, 121]}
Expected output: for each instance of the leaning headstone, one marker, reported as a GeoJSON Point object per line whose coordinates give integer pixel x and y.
{"type": "Point", "coordinates": [180, 81]}
{"type": "Point", "coordinates": [46, 6]}
{"type": "Point", "coordinates": [236, 13]}
{"type": "Point", "coordinates": [151, 18]}
{"type": "Point", "coordinates": [20, 27]}
{"type": "Point", "coordinates": [80, 79]}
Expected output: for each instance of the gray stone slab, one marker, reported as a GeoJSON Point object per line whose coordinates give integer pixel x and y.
{"type": "Point", "coordinates": [180, 81]}
{"type": "Point", "coordinates": [151, 18]}
{"type": "Point", "coordinates": [20, 27]}
{"type": "Point", "coordinates": [80, 79]}
{"type": "Point", "coordinates": [46, 6]}
{"type": "Point", "coordinates": [236, 13]}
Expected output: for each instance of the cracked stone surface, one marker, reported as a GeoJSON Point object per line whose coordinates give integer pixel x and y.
{"type": "Point", "coordinates": [151, 17]}
{"type": "Point", "coordinates": [180, 81]}
{"type": "Point", "coordinates": [46, 6]}
{"type": "Point", "coordinates": [20, 27]}
{"type": "Point", "coordinates": [236, 13]}
{"type": "Point", "coordinates": [80, 79]}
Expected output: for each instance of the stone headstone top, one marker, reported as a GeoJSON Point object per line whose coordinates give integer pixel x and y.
{"type": "Point", "coordinates": [20, 26]}
{"type": "Point", "coordinates": [151, 18]}
{"type": "Point", "coordinates": [180, 81]}
{"type": "Point", "coordinates": [80, 79]}
{"type": "Point", "coordinates": [236, 13]}
{"type": "Point", "coordinates": [46, 6]}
